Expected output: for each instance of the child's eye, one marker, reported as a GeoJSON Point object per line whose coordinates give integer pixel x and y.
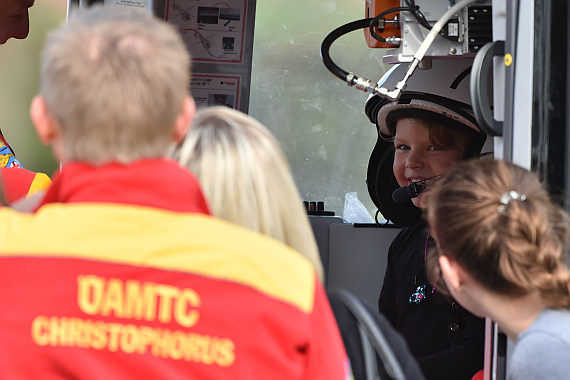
{"type": "Point", "coordinates": [434, 148]}
{"type": "Point", "coordinates": [402, 147]}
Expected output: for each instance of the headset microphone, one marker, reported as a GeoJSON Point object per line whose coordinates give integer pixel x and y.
{"type": "Point", "coordinates": [405, 193]}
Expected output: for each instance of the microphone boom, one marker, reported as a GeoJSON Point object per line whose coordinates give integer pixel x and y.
{"type": "Point", "coordinates": [405, 193]}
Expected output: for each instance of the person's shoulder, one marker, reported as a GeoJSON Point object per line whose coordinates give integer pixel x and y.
{"type": "Point", "coordinates": [540, 354]}
{"type": "Point", "coordinates": [548, 316]}
{"type": "Point", "coordinates": [254, 245]}
{"type": "Point", "coordinates": [230, 233]}
{"type": "Point", "coordinates": [544, 347]}
{"type": "Point", "coordinates": [189, 242]}
{"type": "Point", "coordinates": [410, 236]}
{"type": "Point", "coordinates": [261, 262]}
{"type": "Point", "coordinates": [412, 231]}
{"type": "Point", "coordinates": [551, 328]}
{"type": "Point", "coordinates": [18, 183]}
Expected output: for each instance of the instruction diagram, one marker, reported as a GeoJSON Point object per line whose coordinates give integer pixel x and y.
{"type": "Point", "coordinates": [213, 30]}
{"type": "Point", "coordinates": [215, 90]}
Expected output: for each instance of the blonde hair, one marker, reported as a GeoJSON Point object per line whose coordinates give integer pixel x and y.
{"type": "Point", "coordinates": [511, 249]}
{"type": "Point", "coordinates": [246, 177]}
{"type": "Point", "coordinates": [115, 79]}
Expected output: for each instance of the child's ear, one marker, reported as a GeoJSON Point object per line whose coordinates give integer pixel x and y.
{"type": "Point", "coordinates": [45, 125]}
{"type": "Point", "coordinates": [184, 119]}
{"type": "Point", "coordinates": [451, 271]}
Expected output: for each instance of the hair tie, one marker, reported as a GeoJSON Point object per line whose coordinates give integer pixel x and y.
{"type": "Point", "coordinates": [510, 196]}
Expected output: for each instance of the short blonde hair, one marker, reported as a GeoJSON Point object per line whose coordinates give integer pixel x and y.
{"type": "Point", "coordinates": [511, 243]}
{"type": "Point", "coordinates": [246, 177]}
{"type": "Point", "coordinates": [115, 79]}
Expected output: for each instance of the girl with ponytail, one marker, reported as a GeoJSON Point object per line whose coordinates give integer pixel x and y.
{"type": "Point", "coordinates": [501, 247]}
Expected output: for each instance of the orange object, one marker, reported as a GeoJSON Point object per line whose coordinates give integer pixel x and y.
{"type": "Point", "coordinates": [374, 8]}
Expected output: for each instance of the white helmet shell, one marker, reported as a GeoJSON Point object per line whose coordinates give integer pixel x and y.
{"type": "Point", "coordinates": [442, 89]}
{"type": "Point", "coordinates": [443, 77]}
{"type": "Point", "coordinates": [441, 93]}
{"type": "Point", "coordinates": [418, 104]}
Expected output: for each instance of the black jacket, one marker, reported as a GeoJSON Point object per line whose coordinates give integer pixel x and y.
{"type": "Point", "coordinates": [446, 339]}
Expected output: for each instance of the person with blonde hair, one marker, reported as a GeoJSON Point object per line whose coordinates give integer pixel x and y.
{"type": "Point", "coordinates": [246, 177]}
{"type": "Point", "coordinates": [502, 248]}
{"type": "Point", "coordinates": [122, 273]}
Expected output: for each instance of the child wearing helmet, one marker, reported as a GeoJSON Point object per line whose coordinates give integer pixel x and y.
{"type": "Point", "coordinates": [501, 247]}
{"type": "Point", "coordinates": [421, 137]}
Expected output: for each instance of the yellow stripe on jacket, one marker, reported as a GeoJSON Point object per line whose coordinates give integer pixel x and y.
{"type": "Point", "coordinates": [41, 182]}
{"type": "Point", "coordinates": [145, 236]}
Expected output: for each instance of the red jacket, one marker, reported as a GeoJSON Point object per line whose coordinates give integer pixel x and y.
{"type": "Point", "coordinates": [121, 274]}
{"type": "Point", "coordinates": [19, 182]}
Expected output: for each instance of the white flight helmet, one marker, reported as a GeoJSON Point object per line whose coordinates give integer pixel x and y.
{"type": "Point", "coordinates": [440, 93]}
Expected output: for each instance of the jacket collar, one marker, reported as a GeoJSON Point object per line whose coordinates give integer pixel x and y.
{"type": "Point", "coordinates": [160, 183]}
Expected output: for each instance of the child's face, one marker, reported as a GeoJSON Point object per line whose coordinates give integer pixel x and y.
{"type": "Point", "coordinates": [416, 157]}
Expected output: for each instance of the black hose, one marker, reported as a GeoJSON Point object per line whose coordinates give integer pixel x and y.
{"type": "Point", "coordinates": [332, 37]}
